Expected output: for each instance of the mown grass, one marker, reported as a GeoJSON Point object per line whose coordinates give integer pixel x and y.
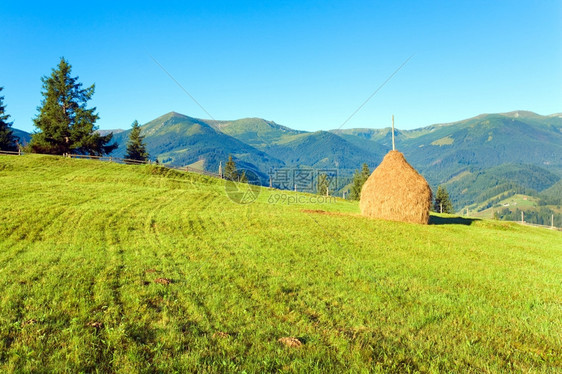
{"type": "Point", "coordinates": [82, 243]}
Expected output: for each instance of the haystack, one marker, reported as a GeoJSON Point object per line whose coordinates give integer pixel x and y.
{"type": "Point", "coordinates": [396, 191]}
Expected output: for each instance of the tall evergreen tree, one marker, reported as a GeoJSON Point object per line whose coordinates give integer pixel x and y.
{"type": "Point", "coordinates": [65, 123]}
{"type": "Point", "coordinates": [136, 149]}
{"type": "Point", "coordinates": [230, 172]}
{"type": "Point", "coordinates": [359, 179]}
{"type": "Point", "coordinates": [7, 139]}
{"type": "Point", "coordinates": [323, 184]}
{"type": "Point", "coordinates": [442, 202]}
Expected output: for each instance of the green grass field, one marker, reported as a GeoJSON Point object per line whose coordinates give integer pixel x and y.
{"type": "Point", "coordinates": [82, 244]}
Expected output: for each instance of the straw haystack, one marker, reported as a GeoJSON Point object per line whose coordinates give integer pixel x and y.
{"type": "Point", "coordinates": [396, 191]}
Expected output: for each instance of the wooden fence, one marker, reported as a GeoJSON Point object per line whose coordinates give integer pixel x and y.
{"type": "Point", "coordinates": [18, 152]}
{"type": "Point", "coordinates": [537, 225]}
{"type": "Point", "coordinates": [125, 161]}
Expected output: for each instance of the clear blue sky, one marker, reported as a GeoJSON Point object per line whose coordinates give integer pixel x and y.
{"type": "Point", "coordinates": [304, 64]}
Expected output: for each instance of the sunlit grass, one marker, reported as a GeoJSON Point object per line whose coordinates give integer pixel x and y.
{"type": "Point", "coordinates": [82, 243]}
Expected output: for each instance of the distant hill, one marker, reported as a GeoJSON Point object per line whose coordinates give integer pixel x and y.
{"type": "Point", "coordinates": [474, 157]}
{"type": "Point", "coordinates": [487, 141]}
{"type": "Point", "coordinates": [105, 132]}
{"type": "Point", "coordinates": [254, 143]}
{"type": "Point", "coordinates": [23, 136]}
{"type": "Point", "coordinates": [443, 150]}
{"type": "Point", "coordinates": [256, 132]}
{"type": "Point", "coordinates": [181, 140]}
{"type": "Point", "coordinates": [323, 149]}
{"type": "Point", "coordinates": [474, 187]}
{"type": "Point", "coordinates": [477, 159]}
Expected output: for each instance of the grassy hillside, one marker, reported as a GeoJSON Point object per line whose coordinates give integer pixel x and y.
{"type": "Point", "coordinates": [535, 209]}
{"type": "Point", "coordinates": [107, 267]}
{"type": "Point", "coordinates": [256, 132]}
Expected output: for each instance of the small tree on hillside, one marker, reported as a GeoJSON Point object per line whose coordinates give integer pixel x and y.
{"type": "Point", "coordinates": [323, 184]}
{"type": "Point", "coordinates": [65, 123]}
{"type": "Point", "coordinates": [442, 202]}
{"type": "Point", "coordinates": [230, 172]}
{"type": "Point", "coordinates": [359, 179]}
{"type": "Point", "coordinates": [241, 177]}
{"type": "Point", "coordinates": [8, 141]}
{"type": "Point", "coordinates": [136, 149]}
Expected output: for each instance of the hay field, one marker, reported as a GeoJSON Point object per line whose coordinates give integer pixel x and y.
{"type": "Point", "coordinates": [122, 268]}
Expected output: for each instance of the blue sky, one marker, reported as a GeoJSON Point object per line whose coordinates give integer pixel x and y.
{"type": "Point", "coordinates": [304, 64]}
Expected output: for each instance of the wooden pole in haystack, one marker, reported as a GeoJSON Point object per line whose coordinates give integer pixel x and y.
{"type": "Point", "coordinates": [393, 147]}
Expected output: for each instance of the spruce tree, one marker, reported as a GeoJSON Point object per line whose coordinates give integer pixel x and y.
{"type": "Point", "coordinates": [230, 172]}
{"type": "Point", "coordinates": [136, 149]}
{"type": "Point", "coordinates": [8, 141]}
{"type": "Point", "coordinates": [442, 202]}
{"type": "Point", "coordinates": [64, 122]}
{"type": "Point", "coordinates": [359, 179]}
{"type": "Point", "coordinates": [323, 184]}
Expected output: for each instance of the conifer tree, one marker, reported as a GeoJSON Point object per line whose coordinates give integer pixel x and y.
{"type": "Point", "coordinates": [7, 139]}
{"type": "Point", "coordinates": [442, 202]}
{"type": "Point", "coordinates": [64, 122]}
{"type": "Point", "coordinates": [323, 184]}
{"type": "Point", "coordinates": [359, 179]}
{"type": "Point", "coordinates": [136, 149]}
{"type": "Point", "coordinates": [230, 172]}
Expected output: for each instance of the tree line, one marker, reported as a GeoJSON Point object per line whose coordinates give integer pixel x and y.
{"type": "Point", "coordinates": [65, 124]}
{"type": "Point", "coordinates": [541, 216]}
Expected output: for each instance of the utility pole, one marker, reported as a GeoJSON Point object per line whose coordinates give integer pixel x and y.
{"type": "Point", "coordinates": [393, 146]}
{"type": "Point", "coordinates": [522, 217]}
{"type": "Point", "coordinates": [220, 168]}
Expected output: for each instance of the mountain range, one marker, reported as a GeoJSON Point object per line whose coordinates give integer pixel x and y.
{"type": "Point", "coordinates": [475, 158]}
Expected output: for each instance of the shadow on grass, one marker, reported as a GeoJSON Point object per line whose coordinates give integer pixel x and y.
{"type": "Point", "coordinates": [440, 220]}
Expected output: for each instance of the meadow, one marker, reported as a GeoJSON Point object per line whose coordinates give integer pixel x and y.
{"type": "Point", "coordinates": [121, 268]}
